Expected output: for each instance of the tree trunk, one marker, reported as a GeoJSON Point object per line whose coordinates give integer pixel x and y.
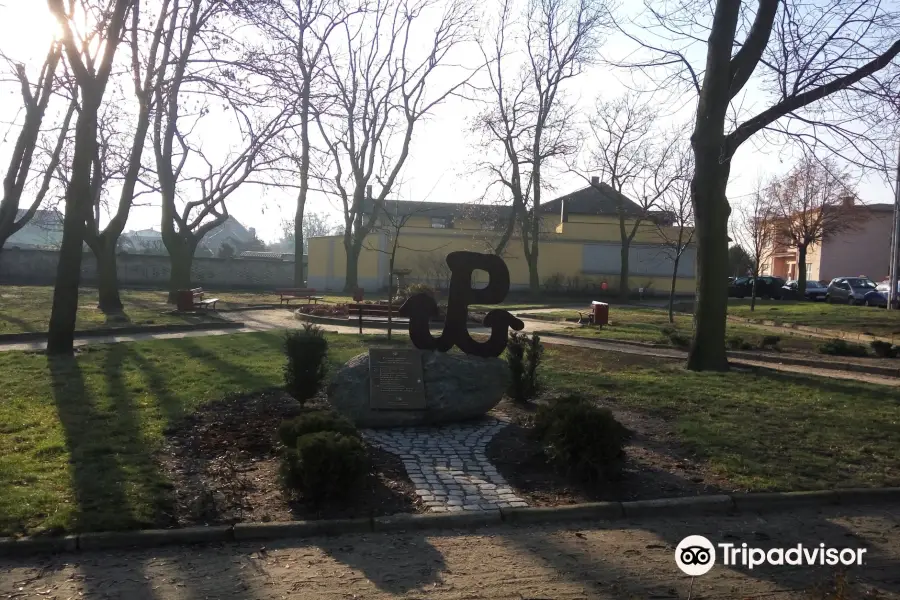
{"type": "Point", "coordinates": [711, 212]}
{"type": "Point", "coordinates": [299, 274]}
{"type": "Point", "coordinates": [181, 257]}
{"type": "Point", "coordinates": [672, 289]}
{"type": "Point", "coordinates": [534, 282]}
{"type": "Point", "coordinates": [753, 290]}
{"type": "Point", "coordinates": [351, 282]}
{"type": "Point", "coordinates": [801, 270]}
{"type": "Point", "coordinates": [61, 335]}
{"type": "Point", "coordinates": [624, 288]}
{"type": "Point", "coordinates": [107, 277]}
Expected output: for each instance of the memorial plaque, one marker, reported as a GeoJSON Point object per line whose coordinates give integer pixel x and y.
{"type": "Point", "coordinates": [396, 381]}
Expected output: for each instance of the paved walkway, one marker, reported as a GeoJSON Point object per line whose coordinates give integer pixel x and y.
{"type": "Point", "coordinates": [448, 465]}
{"type": "Point", "coordinates": [605, 560]}
{"type": "Point", "coordinates": [264, 320]}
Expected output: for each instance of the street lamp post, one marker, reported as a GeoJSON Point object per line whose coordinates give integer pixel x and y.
{"type": "Point", "coordinates": [895, 240]}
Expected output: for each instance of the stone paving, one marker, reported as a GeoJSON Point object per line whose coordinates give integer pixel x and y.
{"type": "Point", "coordinates": [448, 465]}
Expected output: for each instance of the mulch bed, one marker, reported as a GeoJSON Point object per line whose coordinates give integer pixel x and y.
{"type": "Point", "coordinates": [223, 461]}
{"type": "Point", "coordinates": [656, 466]}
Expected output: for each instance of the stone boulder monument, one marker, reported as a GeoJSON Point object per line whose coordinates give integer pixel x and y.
{"type": "Point", "coordinates": [390, 387]}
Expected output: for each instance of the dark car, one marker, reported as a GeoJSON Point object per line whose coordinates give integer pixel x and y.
{"type": "Point", "coordinates": [815, 290]}
{"type": "Point", "coordinates": [879, 296]}
{"type": "Point", "coordinates": [849, 290]}
{"type": "Point", "coordinates": [766, 287]}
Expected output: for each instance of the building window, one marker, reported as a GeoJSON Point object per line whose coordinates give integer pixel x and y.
{"type": "Point", "coordinates": [441, 222]}
{"type": "Point", "coordinates": [808, 269]}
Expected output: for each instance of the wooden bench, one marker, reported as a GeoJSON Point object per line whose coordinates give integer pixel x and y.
{"type": "Point", "coordinates": [374, 310]}
{"type": "Point", "coordinates": [288, 294]}
{"type": "Point", "coordinates": [587, 316]}
{"type": "Point", "coordinates": [200, 302]}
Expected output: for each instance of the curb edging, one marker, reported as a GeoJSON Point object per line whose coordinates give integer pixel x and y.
{"type": "Point", "coordinates": [594, 511]}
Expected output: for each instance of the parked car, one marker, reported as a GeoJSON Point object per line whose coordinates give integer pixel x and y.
{"type": "Point", "coordinates": [815, 290]}
{"type": "Point", "coordinates": [879, 296]}
{"type": "Point", "coordinates": [849, 290]}
{"type": "Point", "coordinates": [766, 287]}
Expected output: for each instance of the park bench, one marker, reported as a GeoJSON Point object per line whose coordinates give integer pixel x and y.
{"type": "Point", "coordinates": [288, 294]}
{"type": "Point", "coordinates": [199, 301]}
{"type": "Point", "coordinates": [587, 316]}
{"type": "Point", "coordinates": [373, 310]}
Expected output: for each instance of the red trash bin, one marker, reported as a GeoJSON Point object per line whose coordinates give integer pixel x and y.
{"type": "Point", "coordinates": [600, 313]}
{"type": "Point", "coordinates": [184, 300]}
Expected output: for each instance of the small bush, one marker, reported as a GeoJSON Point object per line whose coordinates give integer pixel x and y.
{"type": "Point", "coordinates": [736, 342]}
{"type": "Point", "coordinates": [582, 439]}
{"type": "Point", "coordinates": [306, 363]}
{"type": "Point", "coordinates": [325, 466]}
{"type": "Point", "coordinates": [524, 355]}
{"type": "Point", "coordinates": [313, 330]}
{"type": "Point", "coordinates": [674, 337]}
{"type": "Point", "coordinates": [313, 422]}
{"type": "Point", "coordinates": [770, 341]}
{"type": "Point", "coordinates": [839, 347]}
{"type": "Point", "coordinates": [884, 349]}
{"type": "Point", "coordinates": [415, 288]}
{"type": "Point", "coordinates": [679, 340]}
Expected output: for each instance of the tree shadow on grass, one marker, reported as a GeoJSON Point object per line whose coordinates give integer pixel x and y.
{"type": "Point", "coordinates": [829, 385]}
{"type": "Point", "coordinates": [20, 325]}
{"type": "Point", "coordinates": [116, 481]}
{"type": "Point", "coordinates": [160, 384]}
{"type": "Point", "coordinates": [241, 375]}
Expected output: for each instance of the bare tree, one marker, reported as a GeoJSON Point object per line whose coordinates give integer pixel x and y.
{"type": "Point", "coordinates": [637, 160]}
{"type": "Point", "coordinates": [391, 225]}
{"type": "Point", "coordinates": [119, 157]}
{"type": "Point", "coordinates": [528, 122]}
{"type": "Point", "coordinates": [755, 229]}
{"type": "Point", "coordinates": [91, 77]}
{"type": "Point", "coordinates": [811, 203]}
{"type": "Point", "coordinates": [191, 64]}
{"type": "Point", "coordinates": [36, 98]}
{"type": "Point", "coordinates": [380, 90]}
{"type": "Point", "coordinates": [810, 60]}
{"type": "Point", "coordinates": [676, 228]}
{"type": "Point", "coordinates": [315, 224]}
{"type": "Point", "coordinates": [299, 31]}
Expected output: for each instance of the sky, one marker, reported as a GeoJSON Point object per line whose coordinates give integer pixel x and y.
{"type": "Point", "coordinates": [444, 150]}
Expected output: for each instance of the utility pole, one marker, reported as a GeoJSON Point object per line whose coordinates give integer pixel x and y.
{"type": "Point", "coordinates": [895, 240]}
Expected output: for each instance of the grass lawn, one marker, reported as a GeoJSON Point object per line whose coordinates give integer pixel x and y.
{"type": "Point", "coordinates": [856, 319]}
{"type": "Point", "coordinates": [79, 436]}
{"type": "Point", "coordinates": [27, 308]}
{"type": "Point", "coordinates": [762, 430]}
{"type": "Point", "coordinates": [641, 324]}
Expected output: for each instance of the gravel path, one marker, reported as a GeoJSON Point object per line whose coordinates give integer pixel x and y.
{"type": "Point", "coordinates": [614, 561]}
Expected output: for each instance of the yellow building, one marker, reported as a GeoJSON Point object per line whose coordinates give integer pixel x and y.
{"type": "Point", "coordinates": [580, 246]}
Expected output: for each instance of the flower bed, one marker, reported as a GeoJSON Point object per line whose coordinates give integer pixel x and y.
{"type": "Point", "coordinates": [325, 310]}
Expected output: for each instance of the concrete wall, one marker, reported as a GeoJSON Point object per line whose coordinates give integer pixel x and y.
{"type": "Point", "coordinates": [862, 251]}
{"type": "Point", "coordinates": [39, 267]}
